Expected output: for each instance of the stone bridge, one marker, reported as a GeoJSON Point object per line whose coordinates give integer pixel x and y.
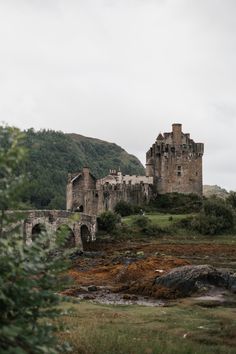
{"type": "Point", "coordinates": [80, 228]}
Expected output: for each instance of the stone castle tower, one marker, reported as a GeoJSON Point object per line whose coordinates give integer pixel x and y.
{"type": "Point", "coordinates": [175, 163]}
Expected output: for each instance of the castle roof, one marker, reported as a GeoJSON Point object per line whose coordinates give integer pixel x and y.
{"type": "Point", "coordinates": [160, 137]}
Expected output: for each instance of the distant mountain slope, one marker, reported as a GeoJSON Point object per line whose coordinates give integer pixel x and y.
{"type": "Point", "coordinates": [209, 191]}
{"type": "Point", "coordinates": [52, 155]}
{"type": "Point", "coordinates": [102, 156]}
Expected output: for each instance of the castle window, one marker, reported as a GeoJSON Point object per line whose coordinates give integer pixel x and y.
{"type": "Point", "coordinates": [196, 173]}
{"type": "Point", "coordinates": [179, 173]}
{"type": "Point", "coordinates": [179, 168]}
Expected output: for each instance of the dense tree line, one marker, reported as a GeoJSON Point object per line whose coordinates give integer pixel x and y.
{"type": "Point", "coordinates": [52, 155]}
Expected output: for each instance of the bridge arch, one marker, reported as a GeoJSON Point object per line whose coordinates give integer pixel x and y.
{"type": "Point", "coordinates": [37, 230]}
{"type": "Point", "coordinates": [65, 236]}
{"type": "Point", "coordinates": [86, 236]}
{"type": "Point", "coordinates": [81, 227]}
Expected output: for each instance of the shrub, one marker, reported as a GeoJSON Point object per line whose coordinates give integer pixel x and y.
{"type": "Point", "coordinates": [215, 217]}
{"type": "Point", "coordinates": [155, 230]}
{"type": "Point", "coordinates": [231, 199]}
{"type": "Point", "coordinates": [123, 208]}
{"type": "Point", "coordinates": [28, 300]}
{"type": "Point", "coordinates": [141, 221]}
{"type": "Point", "coordinates": [144, 225]}
{"type": "Point", "coordinates": [108, 221]}
{"type": "Point", "coordinates": [177, 203]}
{"type": "Point", "coordinates": [28, 278]}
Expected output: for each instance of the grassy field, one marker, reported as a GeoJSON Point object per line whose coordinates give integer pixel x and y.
{"type": "Point", "coordinates": [159, 219]}
{"type": "Point", "coordinates": [180, 236]}
{"type": "Point", "coordinates": [186, 328]}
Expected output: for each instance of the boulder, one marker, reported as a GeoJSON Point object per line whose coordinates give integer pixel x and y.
{"type": "Point", "coordinates": [190, 279]}
{"type": "Point", "coordinates": [92, 288]}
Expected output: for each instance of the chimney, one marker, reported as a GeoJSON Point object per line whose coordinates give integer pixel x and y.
{"type": "Point", "coordinates": [177, 133]}
{"type": "Point", "coordinates": [86, 174]}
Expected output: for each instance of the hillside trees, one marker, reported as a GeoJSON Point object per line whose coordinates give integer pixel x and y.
{"type": "Point", "coordinates": [52, 155]}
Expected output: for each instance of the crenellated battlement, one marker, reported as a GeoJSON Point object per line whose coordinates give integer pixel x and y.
{"type": "Point", "coordinates": [175, 162]}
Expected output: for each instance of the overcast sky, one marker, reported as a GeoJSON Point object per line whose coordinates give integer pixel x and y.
{"type": "Point", "coordinates": [124, 70]}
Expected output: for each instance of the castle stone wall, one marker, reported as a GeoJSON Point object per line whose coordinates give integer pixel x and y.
{"type": "Point", "coordinates": [175, 163]}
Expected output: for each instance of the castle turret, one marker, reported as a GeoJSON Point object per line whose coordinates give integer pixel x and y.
{"type": "Point", "coordinates": [175, 163]}
{"type": "Point", "coordinates": [177, 133]}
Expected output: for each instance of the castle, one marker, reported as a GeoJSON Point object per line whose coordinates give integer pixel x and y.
{"type": "Point", "coordinates": [173, 164]}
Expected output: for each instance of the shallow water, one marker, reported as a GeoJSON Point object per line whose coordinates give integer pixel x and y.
{"type": "Point", "coordinates": [105, 296]}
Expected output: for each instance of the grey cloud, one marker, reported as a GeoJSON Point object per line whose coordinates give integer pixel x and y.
{"type": "Point", "coordinates": [124, 70]}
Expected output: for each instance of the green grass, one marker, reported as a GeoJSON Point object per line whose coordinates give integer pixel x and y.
{"type": "Point", "coordinates": [183, 329]}
{"type": "Point", "coordinates": [160, 219]}
{"type": "Point", "coordinates": [179, 235]}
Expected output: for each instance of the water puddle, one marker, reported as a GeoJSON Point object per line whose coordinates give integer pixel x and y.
{"type": "Point", "coordinates": [106, 297]}
{"type": "Point", "coordinates": [215, 297]}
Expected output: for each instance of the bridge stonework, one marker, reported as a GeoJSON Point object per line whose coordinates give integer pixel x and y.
{"type": "Point", "coordinates": [82, 226]}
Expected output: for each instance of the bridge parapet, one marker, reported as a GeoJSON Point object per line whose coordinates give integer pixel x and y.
{"type": "Point", "coordinates": [82, 226]}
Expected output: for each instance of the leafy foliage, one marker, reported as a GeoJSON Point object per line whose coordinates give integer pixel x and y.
{"type": "Point", "coordinates": [28, 274]}
{"type": "Point", "coordinates": [177, 203]}
{"type": "Point", "coordinates": [141, 221]}
{"type": "Point", "coordinates": [215, 217]}
{"type": "Point", "coordinates": [144, 225]}
{"type": "Point", "coordinates": [124, 209]}
{"type": "Point", "coordinates": [231, 199]}
{"type": "Point", "coordinates": [12, 156]}
{"type": "Point", "coordinates": [27, 299]}
{"type": "Point", "coordinates": [52, 155]}
{"type": "Point", "coordinates": [108, 220]}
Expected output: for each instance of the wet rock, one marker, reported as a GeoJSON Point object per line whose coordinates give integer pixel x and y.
{"type": "Point", "coordinates": [74, 255]}
{"type": "Point", "coordinates": [92, 288]}
{"type": "Point", "coordinates": [140, 254]}
{"type": "Point", "coordinates": [89, 297]}
{"type": "Point", "coordinates": [232, 283]}
{"type": "Point", "coordinates": [189, 279]}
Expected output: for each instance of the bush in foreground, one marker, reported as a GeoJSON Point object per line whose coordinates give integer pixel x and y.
{"type": "Point", "coordinates": [28, 300]}
{"type": "Point", "coordinates": [29, 277]}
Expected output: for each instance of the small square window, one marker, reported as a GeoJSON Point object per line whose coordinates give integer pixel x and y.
{"type": "Point", "coordinates": [179, 173]}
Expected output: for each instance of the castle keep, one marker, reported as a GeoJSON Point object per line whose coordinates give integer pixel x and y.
{"type": "Point", "coordinates": [173, 164]}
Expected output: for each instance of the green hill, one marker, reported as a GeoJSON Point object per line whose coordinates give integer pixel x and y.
{"type": "Point", "coordinates": [52, 155]}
